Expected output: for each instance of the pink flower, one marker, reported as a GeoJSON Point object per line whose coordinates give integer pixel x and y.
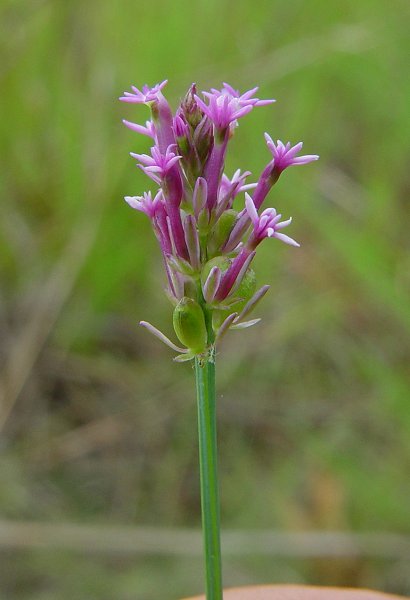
{"type": "Point", "coordinates": [148, 130]}
{"type": "Point", "coordinates": [235, 185]}
{"type": "Point", "coordinates": [285, 155]}
{"type": "Point", "coordinates": [230, 188]}
{"type": "Point", "coordinates": [242, 100]}
{"type": "Point", "coordinates": [222, 109]}
{"type": "Point", "coordinates": [144, 96]}
{"type": "Point", "coordinates": [227, 105]}
{"type": "Point", "coordinates": [145, 203]}
{"type": "Point", "coordinates": [157, 165]}
{"type": "Point", "coordinates": [268, 224]}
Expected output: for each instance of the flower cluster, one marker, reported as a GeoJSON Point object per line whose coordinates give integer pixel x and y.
{"type": "Point", "coordinates": [207, 245]}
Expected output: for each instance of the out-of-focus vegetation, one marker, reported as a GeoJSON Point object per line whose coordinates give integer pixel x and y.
{"type": "Point", "coordinates": [98, 424]}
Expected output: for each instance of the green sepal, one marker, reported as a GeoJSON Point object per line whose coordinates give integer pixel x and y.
{"type": "Point", "coordinates": [184, 357]}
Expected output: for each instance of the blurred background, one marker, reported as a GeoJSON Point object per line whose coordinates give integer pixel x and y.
{"type": "Point", "coordinates": [99, 495]}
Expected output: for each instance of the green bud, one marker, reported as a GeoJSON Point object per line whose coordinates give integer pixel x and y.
{"type": "Point", "coordinates": [244, 292]}
{"type": "Point", "coordinates": [183, 145]}
{"type": "Point", "coordinates": [221, 231]}
{"type": "Point", "coordinates": [246, 289]}
{"type": "Point", "coordinates": [218, 317]}
{"type": "Point", "coordinates": [193, 114]}
{"type": "Point", "coordinates": [189, 325]}
{"type": "Point", "coordinates": [222, 262]}
{"type": "Point", "coordinates": [203, 222]}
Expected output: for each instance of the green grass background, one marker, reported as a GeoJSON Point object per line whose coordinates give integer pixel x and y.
{"type": "Point", "coordinates": [314, 404]}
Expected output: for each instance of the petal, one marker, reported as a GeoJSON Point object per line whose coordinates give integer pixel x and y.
{"type": "Point", "coordinates": [283, 224]}
{"type": "Point", "coordinates": [265, 102]}
{"type": "Point", "coordinates": [250, 207]}
{"type": "Point", "coordinates": [286, 239]}
{"type": "Point", "coordinates": [295, 149]}
{"type": "Point", "coordinates": [134, 202]}
{"type": "Point", "coordinates": [303, 160]}
{"type": "Point", "coordinates": [211, 285]}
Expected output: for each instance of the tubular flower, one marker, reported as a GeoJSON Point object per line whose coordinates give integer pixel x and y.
{"type": "Point", "coordinates": [148, 130]}
{"type": "Point", "coordinates": [222, 109]}
{"type": "Point", "coordinates": [207, 245]}
{"type": "Point", "coordinates": [144, 96]}
{"type": "Point", "coordinates": [145, 203]}
{"type": "Point", "coordinates": [157, 165]}
{"type": "Point", "coordinates": [268, 224]}
{"type": "Point", "coordinates": [284, 155]}
{"type": "Point", "coordinates": [242, 100]}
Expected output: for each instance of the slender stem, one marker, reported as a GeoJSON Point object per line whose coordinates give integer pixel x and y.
{"type": "Point", "coordinates": [205, 386]}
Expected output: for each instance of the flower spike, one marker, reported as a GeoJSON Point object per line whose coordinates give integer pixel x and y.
{"type": "Point", "coordinates": [208, 243]}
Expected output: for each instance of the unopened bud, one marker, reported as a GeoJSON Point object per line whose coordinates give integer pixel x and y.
{"type": "Point", "coordinates": [221, 231]}
{"type": "Point", "coordinates": [246, 289]}
{"type": "Point", "coordinates": [181, 135]}
{"type": "Point", "coordinates": [189, 325]}
{"type": "Point", "coordinates": [200, 195]}
{"type": "Point", "coordinates": [203, 138]}
{"type": "Point", "coordinates": [192, 113]}
{"type": "Point", "coordinates": [222, 262]}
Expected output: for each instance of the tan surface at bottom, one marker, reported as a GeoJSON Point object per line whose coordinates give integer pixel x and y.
{"type": "Point", "coordinates": [300, 592]}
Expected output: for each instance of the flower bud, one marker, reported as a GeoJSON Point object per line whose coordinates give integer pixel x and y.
{"type": "Point", "coordinates": [244, 293]}
{"type": "Point", "coordinates": [222, 262]}
{"type": "Point", "coordinates": [246, 289]}
{"type": "Point", "coordinates": [203, 139]}
{"type": "Point", "coordinates": [221, 231]}
{"type": "Point", "coordinates": [190, 109]}
{"type": "Point", "coordinates": [199, 196]}
{"type": "Point", "coordinates": [181, 130]}
{"type": "Point", "coordinates": [189, 325]}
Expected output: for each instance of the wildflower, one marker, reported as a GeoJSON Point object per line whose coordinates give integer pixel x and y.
{"type": "Point", "coordinates": [145, 203]}
{"type": "Point", "coordinates": [285, 155]}
{"type": "Point", "coordinates": [144, 96]}
{"type": "Point", "coordinates": [223, 109]}
{"type": "Point", "coordinates": [158, 165]}
{"type": "Point", "coordinates": [268, 224]}
{"type": "Point", "coordinates": [242, 100]}
{"type": "Point", "coordinates": [207, 245]}
{"type": "Point", "coordinates": [148, 130]}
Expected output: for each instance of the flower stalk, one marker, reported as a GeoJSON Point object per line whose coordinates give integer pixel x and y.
{"type": "Point", "coordinates": [206, 401]}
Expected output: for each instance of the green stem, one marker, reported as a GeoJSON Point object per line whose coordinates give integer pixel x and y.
{"type": "Point", "coordinates": [205, 387]}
